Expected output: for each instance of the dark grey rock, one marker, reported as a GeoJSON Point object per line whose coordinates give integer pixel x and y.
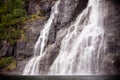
{"type": "Point", "coordinates": [67, 13]}
{"type": "Point", "coordinates": [24, 49]}
{"type": "Point", "coordinates": [4, 48]}
{"type": "Point", "coordinates": [52, 52]}
{"type": "Point", "coordinates": [10, 51]}
{"type": "Point", "coordinates": [40, 6]}
{"type": "Point", "coordinates": [112, 34]}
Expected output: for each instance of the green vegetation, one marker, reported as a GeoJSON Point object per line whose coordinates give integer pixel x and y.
{"type": "Point", "coordinates": [12, 17]}
{"type": "Point", "coordinates": [11, 13]}
{"type": "Point", "coordinates": [7, 63]}
{"type": "Point", "coordinates": [31, 18]}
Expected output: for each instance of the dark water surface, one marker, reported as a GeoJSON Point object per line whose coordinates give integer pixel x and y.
{"type": "Point", "coordinates": [12, 77]}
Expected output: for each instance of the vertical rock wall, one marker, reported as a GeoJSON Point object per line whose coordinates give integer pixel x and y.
{"type": "Point", "coordinates": [69, 9]}
{"type": "Point", "coordinates": [112, 36]}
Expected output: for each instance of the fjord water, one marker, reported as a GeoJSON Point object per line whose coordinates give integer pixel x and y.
{"type": "Point", "coordinates": [32, 67]}
{"type": "Point", "coordinates": [81, 49]}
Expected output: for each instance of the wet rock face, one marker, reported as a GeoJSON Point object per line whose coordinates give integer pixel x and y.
{"type": "Point", "coordinates": [59, 28]}
{"type": "Point", "coordinates": [68, 11]}
{"type": "Point", "coordinates": [80, 6]}
{"type": "Point", "coordinates": [112, 30]}
{"type": "Point", "coordinates": [23, 50]}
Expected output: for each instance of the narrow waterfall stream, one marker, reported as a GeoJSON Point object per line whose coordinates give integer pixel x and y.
{"type": "Point", "coordinates": [32, 67]}
{"type": "Point", "coordinates": [81, 49]}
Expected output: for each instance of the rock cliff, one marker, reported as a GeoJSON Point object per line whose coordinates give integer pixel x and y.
{"type": "Point", "coordinates": [112, 36]}
{"type": "Point", "coordinates": [69, 9]}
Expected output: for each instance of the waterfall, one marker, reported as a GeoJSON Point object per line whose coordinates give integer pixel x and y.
{"type": "Point", "coordinates": [32, 67]}
{"type": "Point", "coordinates": [82, 47]}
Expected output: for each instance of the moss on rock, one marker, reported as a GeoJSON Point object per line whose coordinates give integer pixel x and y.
{"type": "Point", "coordinates": [7, 64]}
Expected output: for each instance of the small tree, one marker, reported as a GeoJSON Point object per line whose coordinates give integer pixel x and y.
{"type": "Point", "coordinates": [13, 4]}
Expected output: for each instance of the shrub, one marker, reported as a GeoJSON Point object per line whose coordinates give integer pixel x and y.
{"type": "Point", "coordinates": [7, 63]}
{"type": "Point", "coordinates": [19, 13]}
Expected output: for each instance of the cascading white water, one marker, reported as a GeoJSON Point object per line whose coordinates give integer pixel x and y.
{"type": "Point", "coordinates": [32, 67]}
{"type": "Point", "coordinates": [82, 46]}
